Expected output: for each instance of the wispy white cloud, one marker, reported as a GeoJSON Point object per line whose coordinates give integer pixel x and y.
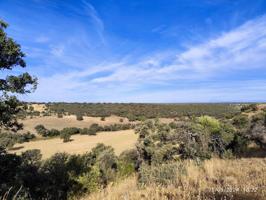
{"type": "Point", "coordinates": [97, 21]}
{"type": "Point", "coordinates": [240, 49]}
{"type": "Point", "coordinates": [243, 48]}
{"type": "Point", "coordinates": [42, 39]}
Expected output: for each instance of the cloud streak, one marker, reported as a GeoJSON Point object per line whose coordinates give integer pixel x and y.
{"type": "Point", "coordinates": [243, 48]}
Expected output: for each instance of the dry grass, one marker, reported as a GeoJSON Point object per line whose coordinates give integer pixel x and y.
{"type": "Point", "coordinates": [119, 140]}
{"type": "Point", "coordinates": [241, 179]}
{"type": "Point", "coordinates": [67, 121]}
{"type": "Point", "coordinates": [38, 107]}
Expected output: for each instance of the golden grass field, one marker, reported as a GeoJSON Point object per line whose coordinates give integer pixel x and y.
{"type": "Point", "coordinates": [237, 179]}
{"type": "Point", "coordinates": [119, 140]}
{"type": "Point", "coordinates": [67, 121]}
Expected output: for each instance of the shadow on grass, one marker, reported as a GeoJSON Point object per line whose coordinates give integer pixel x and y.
{"type": "Point", "coordinates": [232, 196]}
{"type": "Point", "coordinates": [16, 148]}
{"type": "Point", "coordinates": [254, 152]}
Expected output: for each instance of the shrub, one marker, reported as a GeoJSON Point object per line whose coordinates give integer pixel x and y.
{"type": "Point", "coordinates": [240, 121]}
{"type": "Point", "coordinates": [60, 115]}
{"type": "Point", "coordinates": [53, 132]}
{"type": "Point", "coordinates": [210, 123]}
{"type": "Point", "coordinates": [249, 108]}
{"type": "Point", "coordinates": [257, 129]}
{"type": "Point", "coordinates": [91, 181]}
{"type": "Point", "coordinates": [102, 118]}
{"type": "Point", "coordinates": [70, 130]}
{"type": "Point", "coordinates": [65, 136]}
{"type": "Point", "coordinates": [121, 120]}
{"type": "Point", "coordinates": [94, 128]}
{"type": "Point", "coordinates": [84, 131]}
{"type": "Point", "coordinates": [31, 157]}
{"type": "Point", "coordinates": [129, 156]}
{"type": "Point", "coordinates": [57, 183]}
{"type": "Point", "coordinates": [41, 130]}
{"type": "Point", "coordinates": [79, 117]}
{"type": "Point", "coordinates": [7, 140]}
{"type": "Point", "coordinates": [25, 137]}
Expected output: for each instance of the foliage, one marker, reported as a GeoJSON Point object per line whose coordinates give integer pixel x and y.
{"type": "Point", "coordinates": [199, 139]}
{"type": "Point", "coordinates": [53, 132]}
{"type": "Point", "coordinates": [65, 136]}
{"type": "Point", "coordinates": [94, 128]}
{"type": "Point", "coordinates": [79, 117]}
{"type": "Point", "coordinates": [241, 121]}
{"type": "Point", "coordinates": [141, 111]}
{"type": "Point", "coordinates": [249, 108]}
{"type": "Point", "coordinates": [257, 129]}
{"type": "Point", "coordinates": [41, 130]}
{"type": "Point", "coordinates": [70, 130]}
{"type": "Point", "coordinates": [10, 57]}
{"type": "Point", "coordinates": [8, 140]}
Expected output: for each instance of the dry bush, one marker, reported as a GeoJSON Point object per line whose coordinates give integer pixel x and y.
{"type": "Point", "coordinates": [241, 179]}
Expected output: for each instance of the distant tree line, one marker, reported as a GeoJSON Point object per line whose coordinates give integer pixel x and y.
{"type": "Point", "coordinates": [138, 111]}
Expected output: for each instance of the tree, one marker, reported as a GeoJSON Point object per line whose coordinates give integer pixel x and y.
{"type": "Point", "coordinates": [79, 117]}
{"type": "Point", "coordinates": [65, 136]}
{"type": "Point", "coordinates": [41, 130]}
{"type": "Point", "coordinates": [11, 56]}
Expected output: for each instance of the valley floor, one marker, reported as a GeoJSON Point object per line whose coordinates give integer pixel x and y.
{"type": "Point", "coordinates": [119, 140]}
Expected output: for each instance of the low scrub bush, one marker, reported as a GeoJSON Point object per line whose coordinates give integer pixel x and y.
{"type": "Point", "coordinates": [79, 117]}
{"type": "Point", "coordinates": [8, 140]}
{"type": "Point", "coordinates": [164, 174]}
{"type": "Point", "coordinates": [71, 130]}
{"type": "Point", "coordinates": [65, 136]}
{"type": "Point", "coordinates": [41, 130]}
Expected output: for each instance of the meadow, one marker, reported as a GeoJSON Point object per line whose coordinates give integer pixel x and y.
{"type": "Point", "coordinates": [119, 140]}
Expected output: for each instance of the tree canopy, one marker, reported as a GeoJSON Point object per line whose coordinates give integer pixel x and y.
{"type": "Point", "coordinates": [11, 56]}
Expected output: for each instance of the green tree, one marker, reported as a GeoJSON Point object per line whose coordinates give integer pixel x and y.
{"type": "Point", "coordinates": [11, 56]}
{"type": "Point", "coordinates": [65, 136]}
{"type": "Point", "coordinates": [41, 130]}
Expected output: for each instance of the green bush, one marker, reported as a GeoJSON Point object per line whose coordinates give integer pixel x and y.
{"type": "Point", "coordinates": [84, 131]}
{"type": "Point", "coordinates": [31, 157]}
{"type": "Point", "coordinates": [41, 130]}
{"type": "Point", "coordinates": [129, 156]}
{"type": "Point", "coordinates": [53, 132]}
{"type": "Point", "coordinates": [7, 140]}
{"type": "Point", "coordinates": [90, 181]}
{"type": "Point", "coordinates": [79, 117]}
{"type": "Point", "coordinates": [65, 136]}
{"type": "Point", "coordinates": [240, 121]}
{"type": "Point", "coordinates": [94, 128]}
{"type": "Point", "coordinates": [70, 130]}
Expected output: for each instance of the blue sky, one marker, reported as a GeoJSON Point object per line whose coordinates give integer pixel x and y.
{"type": "Point", "coordinates": [142, 50]}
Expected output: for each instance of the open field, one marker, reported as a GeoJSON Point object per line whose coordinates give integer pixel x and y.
{"type": "Point", "coordinates": [119, 140]}
{"type": "Point", "coordinates": [67, 121]}
{"type": "Point", "coordinates": [51, 122]}
{"type": "Point", "coordinates": [239, 179]}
